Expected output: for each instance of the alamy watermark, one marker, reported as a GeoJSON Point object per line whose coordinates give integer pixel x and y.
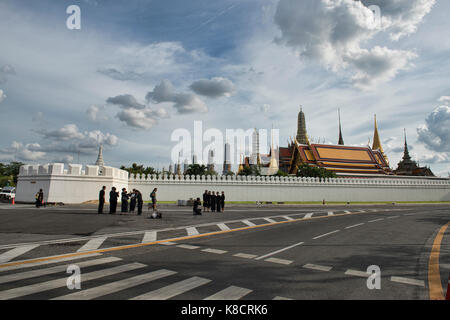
{"type": "Point", "coordinates": [374, 279]}
{"type": "Point", "coordinates": [74, 280]}
{"type": "Point", "coordinates": [73, 22]}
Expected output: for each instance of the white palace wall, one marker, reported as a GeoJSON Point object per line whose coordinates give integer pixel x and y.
{"type": "Point", "coordinates": [74, 185]}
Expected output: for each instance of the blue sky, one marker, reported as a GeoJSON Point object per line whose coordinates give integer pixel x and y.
{"type": "Point", "coordinates": [138, 70]}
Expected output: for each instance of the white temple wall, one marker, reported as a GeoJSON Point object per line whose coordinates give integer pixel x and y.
{"type": "Point", "coordinates": [75, 185]}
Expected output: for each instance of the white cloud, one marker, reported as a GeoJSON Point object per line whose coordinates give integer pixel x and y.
{"type": "Point", "coordinates": [214, 88]}
{"type": "Point", "coordinates": [67, 132]}
{"type": "Point", "coordinates": [183, 102]}
{"type": "Point", "coordinates": [25, 152]}
{"type": "Point", "coordinates": [95, 113]}
{"type": "Point", "coordinates": [5, 72]}
{"type": "Point", "coordinates": [142, 119]}
{"type": "Point", "coordinates": [2, 95]}
{"type": "Point", "coordinates": [435, 134]}
{"type": "Point", "coordinates": [445, 100]}
{"type": "Point", "coordinates": [125, 101]}
{"type": "Point", "coordinates": [333, 32]}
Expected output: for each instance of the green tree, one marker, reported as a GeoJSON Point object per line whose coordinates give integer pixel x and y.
{"type": "Point", "coordinates": [250, 171]}
{"type": "Point", "coordinates": [9, 173]}
{"type": "Point", "coordinates": [196, 169]}
{"type": "Point", "coordinates": [305, 170]}
{"type": "Point", "coordinates": [139, 169]}
{"type": "Point", "coordinates": [281, 173]}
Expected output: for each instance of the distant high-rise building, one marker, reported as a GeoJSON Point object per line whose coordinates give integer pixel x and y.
{"type": "Point", "coordinates": [255, 157]}
{"type": "Point", "coordinates": [226, 159]}
{"type": "Point", "coordinates": [171, 168]}
{"type": "Point", "coordinates": [210, 165]}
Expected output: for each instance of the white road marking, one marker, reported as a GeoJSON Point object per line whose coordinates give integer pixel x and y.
{"type": "Point", "coordinates": [376, 220]}
{"type": "Point", "coordinates": [346, 211]}
{"type": "Point", "coordinates": [92, 244]}
{"type": "Point", "coordinates": [317, 267]}
{"type": "Point", "coordinates": [62, 282]}
{"type": "Point", "coordinates": [149, 236]}
{"type": "Point", "coordinates": [187, 246]}
{"type": "Point", "coordinates": [52, 270]}
{"type": "Point", "coordinates": [280, 261]}
{"type": "Point", "coordinates": [230, 293]}
{"type": "Point", "coordinates": [278, 251]}
{"type": "Point", "coordinates": [330, 213]}
{"type": "Point", "coordinates": [356, 273]}
{"type": "Point", "coordinates": [410, 214]}
{"type": "Point", "coordinates": [14, 253]}
{"type": "Point", "coordinates": [250, 224]}
{"type": "Point", "coordinates": [223, 227]}
{"type": "Point", "coordinates": [362, 211]}
{"type": "Point", "coordinates": [281, 298]}
{"type": "Point", "coordinates": [168, 243]}
{"type": "Point", "coordinates": [413, 282]}
{"type": "Point", "coordinates": [245, 255]}
{"type": "Point", "coordinates": [326, 234]}
{"type": "Point", "coordinates": [392, 217]}
{"type": "Point", "coordinates": [269, 220]}
{"type": "Point", "coordinates": [192, 231]}
{"type": "Point", "coordinates": [308, 215]}
{"type": "Point", "coordinates": [116, 286]}
{"type": "Point", "coordinates": [355, 225]}
{"type": "Point", "coordinates": [174, 289]}
{"type": "Point", "coordinates": [216, 251]}
{"type": "Point", "coordinates": [287, 218]}
{"type": "Point", "coordinates": [40, 263]}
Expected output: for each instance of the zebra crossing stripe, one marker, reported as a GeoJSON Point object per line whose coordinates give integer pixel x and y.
{"type": "Point", "coordinates": [223, 227]}
{"type": "Point", "coordinates": [250, 224]}
{"type": "Point", "coordinates": [192, 231]}
{"type": "Point", "coordinates": [41, 263]}
{"type": "Point", "coordinates": [149, 236]}
{"type": "Point", "coordinates": [287, 218]}
{"type": "Point", "coordinates": [14, 253]}
{"type": "Point", "coordinates": [61, 283]}
{"type": "Point", "coordinates": [92, 244]}
{"type": "Point", "coordinates": [187, 246]}
{"type": "Point", "coordinates": [330, 213]}
{"type": "Point", "coordinates": [308, 215]}
{"type": "Point", "coordinates": [174, 289]}
{"type": "Point", "coordinates": [230, 293]}
{"type": "Point", "coordinates": [216, 251]}
{"type": "Point", "coordinates": [269, 220]}
{"type": "Point", "coordinates": [52, 270]}
{"type": "Point", "coordinates": [116, 286]}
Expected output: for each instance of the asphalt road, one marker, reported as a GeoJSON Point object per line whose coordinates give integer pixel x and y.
{"type": "Point", "coordinates": [272, 252]}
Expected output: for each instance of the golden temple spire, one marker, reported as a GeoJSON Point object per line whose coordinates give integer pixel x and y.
{"type": "Point", "coordinates": [377, 142]}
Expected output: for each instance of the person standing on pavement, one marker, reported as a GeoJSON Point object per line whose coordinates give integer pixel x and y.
{"type": "Point", "coordinates": [222, 201]}
{"type": "Point", "coordinates": [153, 197]}
{"type": "Point", "coordinates": [39, 198]}
{"type": "Point", "coordinates": [133, 200]}
{"type": "Point", "coordinates": [218, 202]}
{"type": "Point", "coordinates": [205, 200]}
{"type": "Point", "coordinates": [124, 199]}
{"type": "Point", "coordinates": [139, 201]}
{"type": "Point", "coordinates": [113, 195]}
{"type": "Point", "coordinates": [213, 202]}
{"type": "Point", "coordinates": [101, 200]}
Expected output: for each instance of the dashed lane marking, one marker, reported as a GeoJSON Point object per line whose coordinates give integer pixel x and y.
{"type": "Point", "coordinates": [355, 225]}
{"type": "Point", "coordinates": [187, 246]}
{"type": "Point", "coordinates": [216, 251]}
{"type": "Point", "coordinates": [376, 220]}
{"type": "Point", "coordinates": [413, 282]}
{"type": "Point", "coordinates": [326, 234]}
{"type": "Point", "coordinates": [317, 267]}
{"type": "Point", "coordinates": [174, 289]}
{"type": "Point", "coordinates": [245, 255]}
{"type": "Point", "coordinates": [356, 273]}
{"type": "Point", "coordinates": [392, 217]}
{"type": "Point", "coordinates": [14, 253]}
{"type": "Point", "coordinates": [278, 251]}
{"type": "Point", "coordinates": [230, 293]}
{"type": "Point", "coordinates": [168, 243]}
{"type": "Point", "coordinates": [280, 261]}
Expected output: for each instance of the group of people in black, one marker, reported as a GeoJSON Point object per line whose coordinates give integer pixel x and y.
{"type": "Point", "coordinates": [212, 202]}
{"type": "Point", "coordinates": [135, 198]}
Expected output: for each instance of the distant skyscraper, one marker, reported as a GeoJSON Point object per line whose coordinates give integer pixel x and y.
{"type": "Point", "coordinates": [210, 165]}
{"type": "Point", "coordinates": [194, 159]}
{"type": "Point", "coordinates": [302, 136]}
{"type": "Point", "coordinates": [255, 157]}
{"type": "Point", "coordinates": [171, 168]}
{"type": "Point", "coordinates": [226, 159]}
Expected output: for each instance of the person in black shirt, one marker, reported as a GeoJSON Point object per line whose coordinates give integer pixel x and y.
{"type": "Point", "coordinates": [205, 200]}
{"type": "Point", "coordinates": [196, 209]}
{"type": "Point", "coordinates": [113, 195]}
{"type": "Point", "coordinates": [213, 202]}
{"type": "Point", "coordinates": [124, 200]}
{"type": "Point", "coordinates": [218, 202]}
{"type": "Point", "coordinates": [140, 202]}
{"type": "Point", "coordinates": [133, 200]}
{"type": "Point", "coordinates": [222, 201]}
{"type": "Point", "coordinates": [101, 199]}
